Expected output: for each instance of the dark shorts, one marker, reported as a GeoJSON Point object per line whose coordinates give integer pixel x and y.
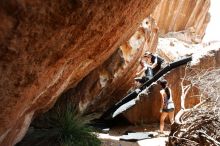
{"type": "Point", "coordinates": [168, 110]}
{"type": "Point", "coordinates": [142, 80]}
{"type": "Point", "coordinates": [156, 69]}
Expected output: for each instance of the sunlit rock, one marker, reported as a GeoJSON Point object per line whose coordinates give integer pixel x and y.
{"type": "Point", "coordinates": [187, 17]}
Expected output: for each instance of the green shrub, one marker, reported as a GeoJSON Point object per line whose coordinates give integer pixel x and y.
{"type": "Point", "coordinates": [61, 127]}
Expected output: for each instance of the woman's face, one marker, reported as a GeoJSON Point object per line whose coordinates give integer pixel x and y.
{"type": "Point", "coordinates": [148, 58]}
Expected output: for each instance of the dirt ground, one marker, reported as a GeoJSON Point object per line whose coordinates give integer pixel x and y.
{"type": "Point", "coordinates": [109, 142]}
{"type": "Point", "coordinates": [119, 131]}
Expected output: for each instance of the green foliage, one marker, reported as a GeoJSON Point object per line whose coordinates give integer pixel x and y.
{"type": "Point", "coordinates": [62, 127]}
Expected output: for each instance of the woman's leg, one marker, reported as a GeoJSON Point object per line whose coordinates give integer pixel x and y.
{"type": "Point", "coordinates": [162, 118]}
{"type": "Point", "coordinates": [171, 117]}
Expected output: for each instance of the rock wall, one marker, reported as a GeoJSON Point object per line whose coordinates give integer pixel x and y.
{"type": "Point", "coordinates": [189, 16]}
{"type": "Point", "coordinates": [151, 34]}
{"type": "Point", "coordinates": [77, 49]}
{"type": "Point", "coordinates": [112, 80]}
{"type": "Point", "coordinates": [49, 46]}
{"type": "Point", "coordinates": [183, 20]}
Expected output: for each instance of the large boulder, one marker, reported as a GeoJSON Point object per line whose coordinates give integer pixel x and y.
{"type": "Point", "coordinates": [74, 48]}
{"type": "Point", "coordinates": [49, 46]}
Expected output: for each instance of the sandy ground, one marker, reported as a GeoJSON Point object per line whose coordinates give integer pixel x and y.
{"type": "Point", "coordinates": [109, 142]}
{"type": "Point", "coordinates": [112, 138]}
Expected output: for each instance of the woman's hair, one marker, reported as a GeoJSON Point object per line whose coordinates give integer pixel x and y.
{"type": "Point", "coordinates": [163, 84]}
{"type": "Point", "coordinates": [167, 91]}
{"type": "Point", "coordinates": [147, 54]}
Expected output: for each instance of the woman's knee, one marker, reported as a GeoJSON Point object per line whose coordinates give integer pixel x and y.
{"type": "Point", "coordinates": [163, 116]}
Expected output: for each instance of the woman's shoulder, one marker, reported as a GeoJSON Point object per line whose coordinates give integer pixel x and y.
{"type": "Point", "coordinates": [162, 91]}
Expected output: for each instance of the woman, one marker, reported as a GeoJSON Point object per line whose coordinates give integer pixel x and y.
{"type": "Point", "coordinates": [155, 61]}
{"type": "Point", "coordinates": [146, 69]}
{"type": "Point", "coordinates": [167, 105]}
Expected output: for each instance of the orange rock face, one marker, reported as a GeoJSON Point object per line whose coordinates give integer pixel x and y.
{"type": "Point", "coordinates": [49, 46]}
{"type": "Point", "coordinates": [190, 16]}
{"type": "Point", "coordinates": [111, 81]}
{"type": "Point", "coordinates": [81, 50]}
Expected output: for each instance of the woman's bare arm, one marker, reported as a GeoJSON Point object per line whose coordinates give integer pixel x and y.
{"type": "Point", "coordinates": [155, 63]}
{"type": "Point", "coordinates": [140, 72]}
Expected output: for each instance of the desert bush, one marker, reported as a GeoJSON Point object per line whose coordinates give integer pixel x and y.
{"type": "Point", "coordinates": [60, 127]}
{"type": "Point", "coordinates": [201, 124]}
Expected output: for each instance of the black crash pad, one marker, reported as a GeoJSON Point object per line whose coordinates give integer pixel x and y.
{"type": "Point", "coordinates": [136, 136]}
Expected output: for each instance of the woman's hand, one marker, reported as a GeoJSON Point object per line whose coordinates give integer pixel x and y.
{"type": "Point", "coordinates": [138, 74]}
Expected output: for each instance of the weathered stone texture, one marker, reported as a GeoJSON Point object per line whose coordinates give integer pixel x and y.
{"type": "Point", "coordinates": [190, 16]}
{"type": "Point", "coordinates": [83, 50]}
{"type": "Point", "coordinates": [49, 46]}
